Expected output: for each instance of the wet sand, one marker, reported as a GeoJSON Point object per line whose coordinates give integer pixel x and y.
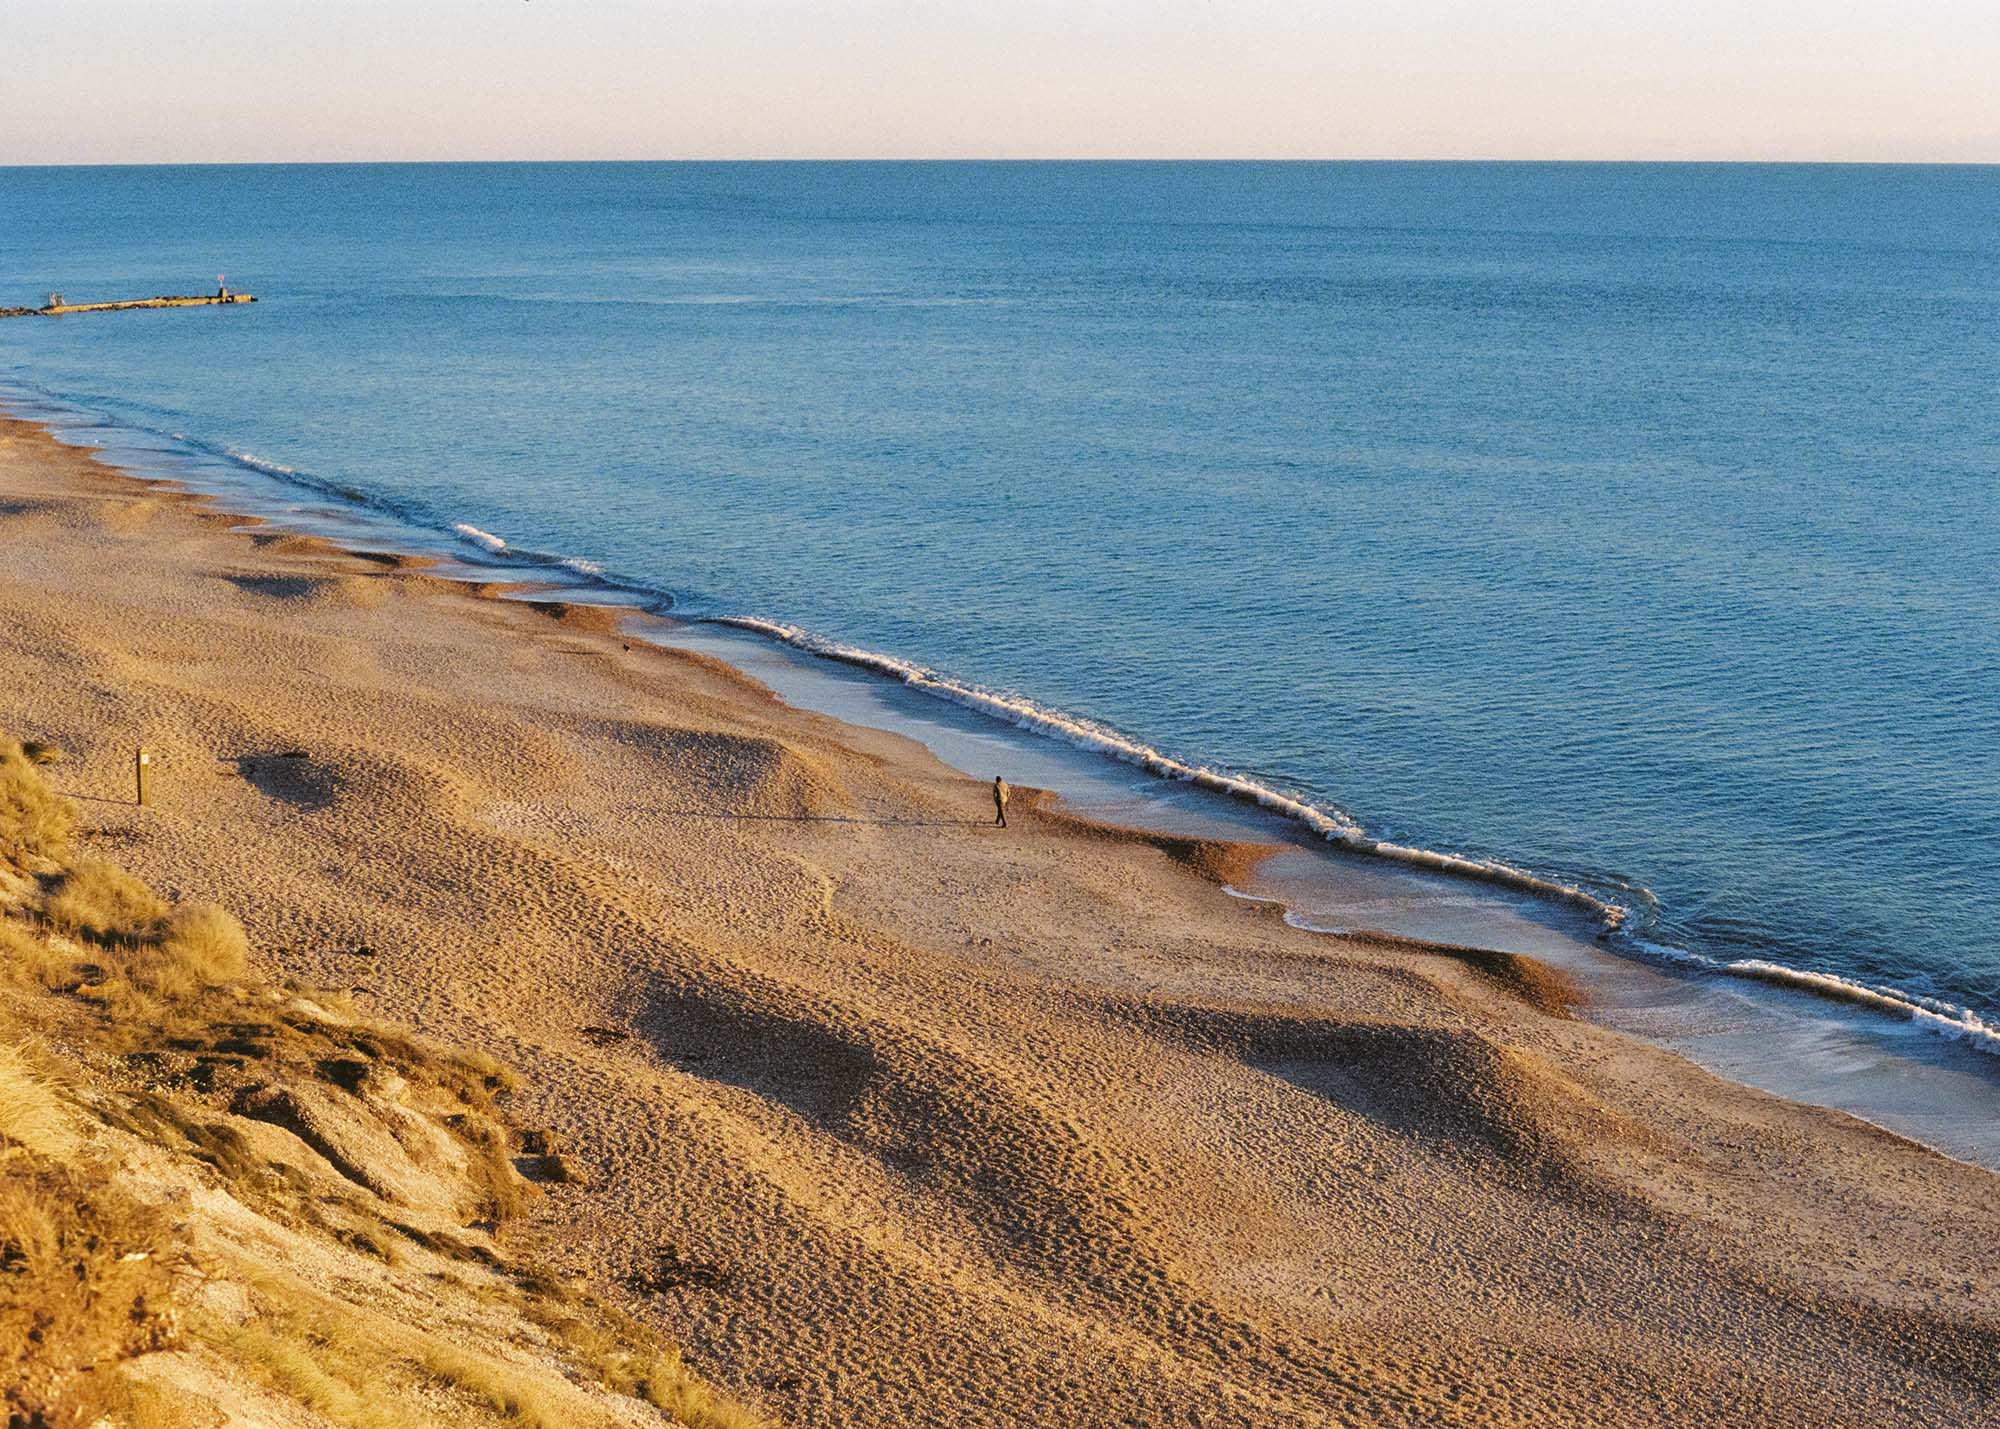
{"type": "Point", "coordinates": [899, 1119]}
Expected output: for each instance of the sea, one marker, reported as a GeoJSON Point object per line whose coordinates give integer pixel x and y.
{"type": "Point", "coordinates": [1622, 534]}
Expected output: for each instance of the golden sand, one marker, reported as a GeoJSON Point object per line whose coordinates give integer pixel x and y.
{"type": "Point", "coordinates": [894, 1119]}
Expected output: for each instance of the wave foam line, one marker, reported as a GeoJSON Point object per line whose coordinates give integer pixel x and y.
{"type": "Point", "coordinates": [1292, 919]}
{"type": "Point", "coordinates": [44, 404]}
{"type": "Point", "coordinates": [1083, 734]}
{"type": "Point", "coordinates": [590, 573]}
{"type": "Point", "coordinates": [485, 540]}
{"type": "Point", "coordinates": [1959, 1024]}
{"type": "Point", "coordinates": [253, 461]}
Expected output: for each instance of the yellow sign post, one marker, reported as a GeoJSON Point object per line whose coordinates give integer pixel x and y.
{"type": "Point", "coordinates": [141, 758]}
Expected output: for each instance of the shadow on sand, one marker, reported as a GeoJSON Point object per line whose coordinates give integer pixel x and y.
{"type": "Point", "coordinates": [826, 819]}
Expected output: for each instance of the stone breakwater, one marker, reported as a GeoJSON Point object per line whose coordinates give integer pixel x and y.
{"type": "Point", "coordinates": [56, 310]}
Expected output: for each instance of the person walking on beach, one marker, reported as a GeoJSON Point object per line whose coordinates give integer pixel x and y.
{"type": "Point", "coordinates": [999, 801]}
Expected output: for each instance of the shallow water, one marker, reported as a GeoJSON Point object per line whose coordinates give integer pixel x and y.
{"type": "Point", "coordinates": [1632, 525]}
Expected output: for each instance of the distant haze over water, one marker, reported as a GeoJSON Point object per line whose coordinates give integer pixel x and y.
{"type": "Point", "coordinates": [1633, 524]}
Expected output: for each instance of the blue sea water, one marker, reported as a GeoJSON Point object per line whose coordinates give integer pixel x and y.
{"type": "Point", "coordinates": [1634, 526]}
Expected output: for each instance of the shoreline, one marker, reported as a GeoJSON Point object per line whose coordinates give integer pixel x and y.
{"type": "Point", "coordinates": [1649, 966]}
{"type": "Point", "coordinates": [966, 1128]}
{"type": "Point", "coordinates": [1621, 906]}
{"type": "Point", "coordinates": [1814, 1045]}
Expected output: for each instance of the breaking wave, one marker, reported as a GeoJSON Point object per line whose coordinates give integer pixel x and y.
{"type": "Point", "coordinates": [1959, 1024]}
{"type": "Point", "coordinates": [485, 540]}
{"type": "Point", "coordinates": [1329, 824]}
{"type": "Point", "coordinates": [255, 462]}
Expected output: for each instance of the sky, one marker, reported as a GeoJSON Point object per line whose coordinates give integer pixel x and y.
{"type": "Point", "coordinates": [179, 81]}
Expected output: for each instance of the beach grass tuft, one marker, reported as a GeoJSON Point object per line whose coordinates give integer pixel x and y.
{"type": "Point", "coordinates": [31, 1116]}
{"type": "Point", "coordinates": [84, 1281]}
{"type": "Point", "coordinates": [35, 822]}
{"type": "Point", "coordinates": [207, 942]}
{"type": "Point", "coordinates": [104, 904]}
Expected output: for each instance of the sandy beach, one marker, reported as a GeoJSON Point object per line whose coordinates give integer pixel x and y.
{"type": "Point", "coordinates": [892, 1118]}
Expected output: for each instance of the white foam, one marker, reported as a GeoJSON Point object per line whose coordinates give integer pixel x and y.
{"type": "Point", "coordinates": [1956, 1023]}
{"type": "Point", "coordinates": [1959, 1024]}
{"type": "Point", "coordinates": [1667, 952]}
{"type": "Point", "coordinates": [1328, 824]}
{"type": "Point", "coordinates": [253, 461]}
{"type": "Point", "coordinates": [1292, 917]}
{"type": "Point", "coordinates": [1306, 925]}
{"type": "Point", "coordinates": [477, 537]}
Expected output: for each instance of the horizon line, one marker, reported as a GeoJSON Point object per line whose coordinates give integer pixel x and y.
{"type": "Point", "coordinates": [1010, 159]}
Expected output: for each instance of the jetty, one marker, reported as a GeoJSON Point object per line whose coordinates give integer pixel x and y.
{"type": "Point", "coordinates": [56, 308]}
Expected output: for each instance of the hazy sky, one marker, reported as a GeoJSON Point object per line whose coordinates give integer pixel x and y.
{"type": "Point", "coordinates": [97, 81]}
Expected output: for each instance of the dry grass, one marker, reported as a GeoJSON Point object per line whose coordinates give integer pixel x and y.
{"type": "Point", "coordinates": [136, 1404]}
{"type": "Point", "coordinates": [31, 1116]}
{"type": "Point", "coordinates": [84, 1282]}
{"type": "Point", "coordinates": [356, 1366]}
{"type": "Point", "coordinates": [207, 941]}
{"type": "Point", "coordinates": [35, 822]}
{"type": "Point", "coordinates": [628, 1358]}
{"type": "Point", "coordinates": [83, 1286]}
{"type": "Point", "coordinates": [27, 959]}
{"type": "Point", "coordinates": [507, 1390]}
{"type": "Point", "coordinates": [360, 1367]}
{"type": "Point", "coordinates": [105, 904]}
{"type": "Point", "coordinates": [671, 1386]}
{"type": "Point", "coordinates": [141, 953]}
{"type": "Point", "coordinates": [194, 947]}
{"type": "Point", "coordinates": [285, 1360]}
{"type": "Point", "coordinates": [490, 1168]}
{"type": "Point", "coordinates": [87, 1273]}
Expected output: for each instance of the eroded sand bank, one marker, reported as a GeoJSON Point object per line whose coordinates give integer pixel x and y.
{"type": "Point", "coordinates": [901, 1120]}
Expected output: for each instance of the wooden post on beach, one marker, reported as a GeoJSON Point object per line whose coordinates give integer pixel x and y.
{"type": "Point", "coordinates": [140, 759]}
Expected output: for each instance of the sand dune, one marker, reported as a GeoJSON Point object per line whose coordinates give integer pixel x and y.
{"type": "Point", "coordinates": [892, 1118]}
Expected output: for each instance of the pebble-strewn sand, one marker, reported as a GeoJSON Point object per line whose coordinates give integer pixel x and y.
{"type": "Point", "coordinates": [910, 1121]}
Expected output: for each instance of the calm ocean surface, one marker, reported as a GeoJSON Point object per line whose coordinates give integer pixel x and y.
{"type": "Point", "coordinates": [1636, 525]}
